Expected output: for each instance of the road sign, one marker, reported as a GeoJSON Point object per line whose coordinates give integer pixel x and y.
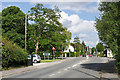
{"type": "Point", "coordinates": [53, 48]}
{"type": "Point", "coordinates": [46, 54]}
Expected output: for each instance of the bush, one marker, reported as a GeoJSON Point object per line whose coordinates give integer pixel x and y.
{"type": "Point", "coordinates": [118, 62]}
{"type": "Point", "coordinates": [12, 54]}
{"type": "Point", "coordinates": [101, 55]}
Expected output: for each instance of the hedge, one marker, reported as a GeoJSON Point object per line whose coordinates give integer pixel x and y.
{"type": "Point", "coordinates": [12, 54]}
{"type": "Point", "coordinates": [117, 57]}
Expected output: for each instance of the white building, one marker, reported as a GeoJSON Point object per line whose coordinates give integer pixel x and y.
{"type": "Point", "coordinates": [108, 53]}
{"type": "Point", "coordinates": [69, 49]}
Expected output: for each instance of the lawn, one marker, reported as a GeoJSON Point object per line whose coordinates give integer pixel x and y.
{"type": "Point", "coordinates": [46, 61]}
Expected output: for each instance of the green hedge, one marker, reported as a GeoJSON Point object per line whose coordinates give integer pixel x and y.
{"type": "Point", "coordinates": [118, 62]}
{"type": "Point", "coordinates": [12, 54]}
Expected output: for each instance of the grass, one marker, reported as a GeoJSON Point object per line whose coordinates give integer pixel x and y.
{"type": "Point", "coordinates": [47, 61]}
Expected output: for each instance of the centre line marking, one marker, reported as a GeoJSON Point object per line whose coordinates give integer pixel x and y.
{"type": "Point", "coordinates": [65, 69]}
{"type": "Point", "coordinates": [69, 67]}
{"type": "Point", "coordinates": [52, 75]}
{"type": "Point", "coordinates": [58, 72]}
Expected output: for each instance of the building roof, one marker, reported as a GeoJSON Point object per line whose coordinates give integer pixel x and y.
{"type": "Point", "coordinates": [71, 48]}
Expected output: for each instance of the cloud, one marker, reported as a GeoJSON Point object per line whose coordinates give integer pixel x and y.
{"type": "Point", "coordinates": [75, 24]}
{"type": "Point", "coordinates": [77, 6]}
{"type": "Point", "coordinates": [84, 29]}
{"type": "Point", "coordinates": [82, 35]}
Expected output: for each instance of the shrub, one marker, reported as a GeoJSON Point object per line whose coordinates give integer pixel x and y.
{"type": "Point", "coordinates": [12, 54]}
{"type": "Point", "coordinates": [118, 62]}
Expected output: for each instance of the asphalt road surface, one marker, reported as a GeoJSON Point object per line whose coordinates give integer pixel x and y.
{"type": "Point", "coordinates": [78, 67]}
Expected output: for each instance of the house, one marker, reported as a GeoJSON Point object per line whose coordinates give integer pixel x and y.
{"type": "Point", "coordinates": [108, 53]}
{"type": "Point", "coordinates": [68, 50]}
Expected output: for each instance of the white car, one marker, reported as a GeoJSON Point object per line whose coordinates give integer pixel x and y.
{"type": "Point", "coordinates": [36, 58]}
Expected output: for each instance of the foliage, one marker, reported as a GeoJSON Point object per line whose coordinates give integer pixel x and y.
{"type": "Point", "coordinates": [93, 50]}
{"type": "Point", "coordinates": [101, 54]}
{"type": "Point", "coordinates": [0, 41]}
{"type": "Point", "coordinates": [83, 47]}
{"type": "Point", "coordinates": [46, 31]}
{"type": "Point", "coordinates": [118, 62]}
{"type": "Point", "coordinates": [77, 45]}
{"type": "Point", "coordinates": [13, 24]}
{"type": "Point", "coordinates": [12, 54]}
{"type": "Point", "coordinates": [108, 26]}
{"type": "Point", "coordinates": [100, 47]}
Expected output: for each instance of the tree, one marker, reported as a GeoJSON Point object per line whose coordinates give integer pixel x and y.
{"type": "Point", "coordinates": [83, 46]}
{"type": "Point", "coordinates": [93, 50]}
{"type": "Point", "coordinates": [76, 44]}
{"type": "Point", "coordinates": [46, 31]}
{"type": "Point", "coordinates": [13, 24]}
{"type": "Point", "coordinates": [100, 47]}
{"type": "Point", "coordinates": [108, 27]}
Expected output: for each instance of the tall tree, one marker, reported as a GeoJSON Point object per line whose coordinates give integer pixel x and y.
{"type": "Point", "coordinates": [13, 24]}
{"type": "Point", "coordinates": [47, 31]}
{"type": "Point", "coordinates": [83, 46]}
{"type": "Point", "coordinates": [108, 27]}
{"type": "Point", "coordinates": [77, 44]}
{"type": "Point", "coordinates": [93, 50]}
{"type": "Point", "coordinates": [100, 47]}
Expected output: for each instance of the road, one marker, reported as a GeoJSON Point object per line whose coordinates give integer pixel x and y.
{"type": "Point", "coordinates": [78, 67]}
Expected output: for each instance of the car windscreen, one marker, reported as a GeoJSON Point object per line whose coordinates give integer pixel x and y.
{"type": "Point", "coordinates": [29, 56]}
{"type": "Point", "coordinates": [34, 55]}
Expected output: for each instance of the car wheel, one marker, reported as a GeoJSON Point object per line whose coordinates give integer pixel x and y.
{"type": "Point", "coordinates": [35, 61]}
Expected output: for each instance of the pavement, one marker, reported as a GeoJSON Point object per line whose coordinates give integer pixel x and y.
{"type": "Point", "coordinates": [78, 67]}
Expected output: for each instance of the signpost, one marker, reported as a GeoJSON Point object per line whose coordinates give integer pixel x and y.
{"type": "Point", "coordinates": [53, 53]}
{"type": "Point", "coordinates": [46, 54]}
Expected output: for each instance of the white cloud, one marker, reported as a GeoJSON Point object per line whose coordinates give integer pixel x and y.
{"type": "Point", "coordinates": [84, 29]}
{"type": "Point", "coordinates": [75, 24]}
{"type": "Point", "coordinates": [82, 35]}
{"type": "Point", "coordinates": [77, 6]}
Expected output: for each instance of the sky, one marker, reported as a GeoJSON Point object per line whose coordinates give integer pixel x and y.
{"type": "Point", "coordinates": [77, 17]}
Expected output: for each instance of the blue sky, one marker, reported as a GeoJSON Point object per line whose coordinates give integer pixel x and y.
{"type": "Point", "coordinates": [78, 17]}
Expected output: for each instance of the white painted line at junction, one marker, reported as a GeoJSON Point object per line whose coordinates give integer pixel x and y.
{"type": "Point", "coordinates": [58, 72]}
{"type": "Point", "coordinates": [52, 75]}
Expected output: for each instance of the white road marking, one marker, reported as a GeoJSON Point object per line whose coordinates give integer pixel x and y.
{"type": "Point", "coordinates": [58, 72]}
{"type": "Point", "coordinates": [65, 69]}
{"type": "Point", "coordinates": [69, 67]}
{"type": "Point", "coordinates": [74, 65]}
{"type": "Point", "coordinates": [52, 75]}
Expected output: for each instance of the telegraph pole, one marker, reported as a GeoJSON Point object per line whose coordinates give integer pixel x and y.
{"type": "Point", "coordinates": [25, 31]}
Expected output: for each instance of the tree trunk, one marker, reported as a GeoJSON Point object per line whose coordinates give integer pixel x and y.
{"type": "Point", "coordinates": [36, 45]}
{"type": "Point", "coordinates": [37, 41]}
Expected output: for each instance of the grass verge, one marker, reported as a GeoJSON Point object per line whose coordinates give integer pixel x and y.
{"type": "Point", "coordinates": [47, 61]}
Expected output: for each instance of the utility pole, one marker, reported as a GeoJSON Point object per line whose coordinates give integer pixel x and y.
{"type": "Point", "coordinates": [25, 31]}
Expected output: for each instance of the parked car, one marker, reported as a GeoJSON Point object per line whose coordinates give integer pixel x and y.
{"type": "Point", "coordinates": [90, 55]}
{"type": "Point", "coordinates": [36, 58]}
{"type": "Point", "coordinates": [29, 56]}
